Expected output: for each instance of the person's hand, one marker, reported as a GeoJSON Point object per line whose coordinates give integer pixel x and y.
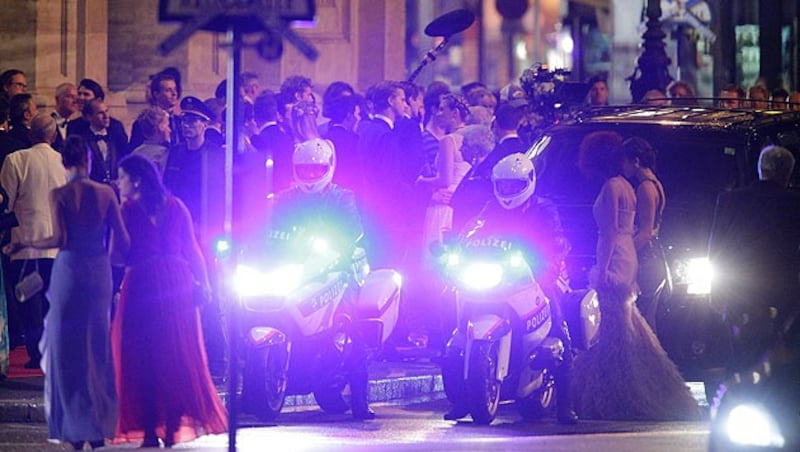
{"type": "Point", "coordinates": [13, 248]}
{"type": "Point", "coordinates": [442, 196]}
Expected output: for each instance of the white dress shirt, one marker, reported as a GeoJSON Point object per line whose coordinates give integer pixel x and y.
{"type": "Point", "coordinates": [29, 175]}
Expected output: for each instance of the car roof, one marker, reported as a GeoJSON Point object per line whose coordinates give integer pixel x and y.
{"type": "Point", "coordinates": [695, 116]}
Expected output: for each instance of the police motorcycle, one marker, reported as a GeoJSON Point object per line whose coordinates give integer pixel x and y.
{"type": "Point", "coordinates": [310, 306]}
{"type": "Point", "coordinates": [756, 409]}
{"type": "Point", "coordinates": [506, 345]}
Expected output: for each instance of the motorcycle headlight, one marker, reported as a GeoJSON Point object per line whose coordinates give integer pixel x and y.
{"type": "Point", "coordinates": [250, 282]}
{"type": "Point", "coordinates": [452, 259]}
{"type": "Point", "coordinates": [320, 246]}
{"type": "Point", "coordinates": [696, 273]}
{"type": "Point", "coordinates": [752, 425]}
{"type": "Point", "coordinates": [481, 276]}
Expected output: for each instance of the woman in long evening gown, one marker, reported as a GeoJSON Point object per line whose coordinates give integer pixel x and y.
{"type": "Point", "coordinates": [627, 375]}
{"type": "Point", "coordinates": [80, 398]}
{"type": "Point", "coordinates": [165, 390]}
{"type": "Point", "coordinates": [451, 167]}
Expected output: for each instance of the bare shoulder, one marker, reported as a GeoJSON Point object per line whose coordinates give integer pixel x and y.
{"type": "Point", "coordinates": [103, 190]}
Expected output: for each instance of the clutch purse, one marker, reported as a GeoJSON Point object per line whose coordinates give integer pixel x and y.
{"type": "Point", "coordinates": [29, 285]}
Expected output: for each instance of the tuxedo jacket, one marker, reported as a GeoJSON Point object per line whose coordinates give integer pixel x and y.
{"type": "Point", "coordinates": [274, 143]}
{"type": "Point", "coordinates": [103, 169]}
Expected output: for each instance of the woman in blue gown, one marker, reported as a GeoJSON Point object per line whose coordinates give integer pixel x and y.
{"type": "Point", "coordinates": [80, 396]}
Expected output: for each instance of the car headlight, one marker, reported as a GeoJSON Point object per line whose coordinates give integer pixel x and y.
{"type": "Point", "coordinates": [696, 273]}
{"type": "Point", "coordinates": [250, 282]}
{"type": "Point", "coordinates": [482, 276]}
{"type": "Point", "coordinates": [752, 425]}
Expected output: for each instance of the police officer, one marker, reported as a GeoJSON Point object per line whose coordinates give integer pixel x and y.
{"type": "Point", "coordinates": [315, 202]}
{"type": "Point", "coordinates": [533, 223]}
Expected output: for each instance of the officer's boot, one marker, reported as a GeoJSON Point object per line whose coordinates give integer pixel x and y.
{"type": "Point", "coordinates": [359, 382]}
{"type": "Point", "coordinates": [565, 411]}
{"type": "Point", "coordinates": [359, 385]}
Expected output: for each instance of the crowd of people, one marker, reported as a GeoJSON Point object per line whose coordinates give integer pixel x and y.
{"type": "Point", "coordinates": [85, 199]}
{"type": "Point", "coordinates": [153, 202]}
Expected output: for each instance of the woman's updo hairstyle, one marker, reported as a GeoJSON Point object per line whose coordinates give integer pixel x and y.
{"type": "Point", "coordinates": [75, 152]}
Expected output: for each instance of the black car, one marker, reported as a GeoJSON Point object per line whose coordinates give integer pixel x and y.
{"type": "Point", "coordinates": [702, 151]}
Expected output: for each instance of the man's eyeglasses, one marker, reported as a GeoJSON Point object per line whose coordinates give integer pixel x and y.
{"type": "Point", "coordinates": [20, 84]}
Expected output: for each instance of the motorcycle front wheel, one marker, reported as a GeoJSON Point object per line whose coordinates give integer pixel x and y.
{"type": "Point", "coordinates": [483, 387]}
{"type": "Point", "coordinates": [267, 371]}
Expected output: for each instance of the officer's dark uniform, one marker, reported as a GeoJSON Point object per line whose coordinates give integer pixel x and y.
{"type": "Point", "coordinates": [535, 227]}
{"type": "Point", "coordinates": [333, 213]}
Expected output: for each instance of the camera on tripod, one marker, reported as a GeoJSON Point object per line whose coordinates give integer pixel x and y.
{"type": "Point", "coordinates": [545, 88]}
{"type": "Point", "coordinates": [549, 95]}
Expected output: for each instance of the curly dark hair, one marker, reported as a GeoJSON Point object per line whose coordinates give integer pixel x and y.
{"type": "Point", "coordinates": [600, 155]}
{"type": "Point", "coordinates": [294, 84]}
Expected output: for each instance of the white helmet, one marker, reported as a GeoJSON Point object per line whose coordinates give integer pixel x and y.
{"type": "Point", "coordinates": [514, 180]}
{"type": "Point", "coordinates": [313, 163]}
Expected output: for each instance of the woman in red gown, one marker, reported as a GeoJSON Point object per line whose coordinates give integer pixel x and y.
{"type": "Point", "coordinates": [164, 388]}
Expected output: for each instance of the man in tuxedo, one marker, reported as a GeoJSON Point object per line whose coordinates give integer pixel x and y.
{"type": "Point", "coordinates": [66, 107]}
{"type": "Point", "coordinates": [344, 113]}
{"type": "Point", "coordinates": [271, 142]}
{"type": "Point", "coordinates": [378, 145]}
{"type": "Point", "coordinates": [475, 189]}
{"type": "Point", "coordinates": [163, 93]}
{"type": "Point", "coordinates": [89, 90]}
{"type": "Point", "coordinates": [754, 249]}
{"type": "Point", "coordinates": [108, 145]}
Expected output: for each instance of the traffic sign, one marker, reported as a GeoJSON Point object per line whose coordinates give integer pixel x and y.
{"type": "Point", "coordinates": [218, 15]}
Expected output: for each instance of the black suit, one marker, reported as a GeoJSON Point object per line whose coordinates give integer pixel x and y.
{"type": "Point", "coordinates": [20, 135]}
{"type": "Point", "coordinates": [272, 142]}
{"type": "Point", "coordinates": [103, 169]}
{"type": "Point", "coordinates": [250, 177]}
{"type": "Point", "coordinates": [372, 138]}
{"type": "Point", "coordinates": [475, 189]}
{"type": "Point", "coordinates": [383, 211]}
{"type": "Point", "coordinates": [755, 252]}
{"type": "Point", "coordinates": [349, 173]}
{"type": "Point", "coordinates": [8, 144]}
{"type": "Point", "coordinates": [61, 132]}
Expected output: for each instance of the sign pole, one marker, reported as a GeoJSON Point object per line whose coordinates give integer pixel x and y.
{"type": "Point", "coordinates": [233, 115]}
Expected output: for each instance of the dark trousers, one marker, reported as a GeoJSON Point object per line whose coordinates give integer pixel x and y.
{"type": "Point", "coordinates": [32, 312]}
{"type": "Point", "coordinates": [15, 329]}
{"type": "Point", "coordinates": [212, 319]}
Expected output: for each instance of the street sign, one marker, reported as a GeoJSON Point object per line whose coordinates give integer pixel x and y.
{"type": "Point", "coordinates": [217, 15]}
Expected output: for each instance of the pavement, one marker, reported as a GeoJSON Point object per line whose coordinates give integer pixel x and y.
{"type": "Point", "coordinates": [407, 378]}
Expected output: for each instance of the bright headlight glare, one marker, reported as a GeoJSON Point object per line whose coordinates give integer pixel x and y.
{"type": "Point", "coordinates": [516, 260]}
{"type": "Point", "coordinates": [452, 259]}
{"type": "Point", "coordinates": [696, 273]}
{"type": "Point", "coordinates": [751, 425]}
{"type": "Point", "coordinates": [320, 246]}
{"type": "Point", "coordinates": [482, 276]}
{"type": "Point", "coordinates": [250, 282]}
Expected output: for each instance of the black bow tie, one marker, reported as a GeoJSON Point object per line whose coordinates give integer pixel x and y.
{"type": "Point", "coordinates": [99, 137]}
